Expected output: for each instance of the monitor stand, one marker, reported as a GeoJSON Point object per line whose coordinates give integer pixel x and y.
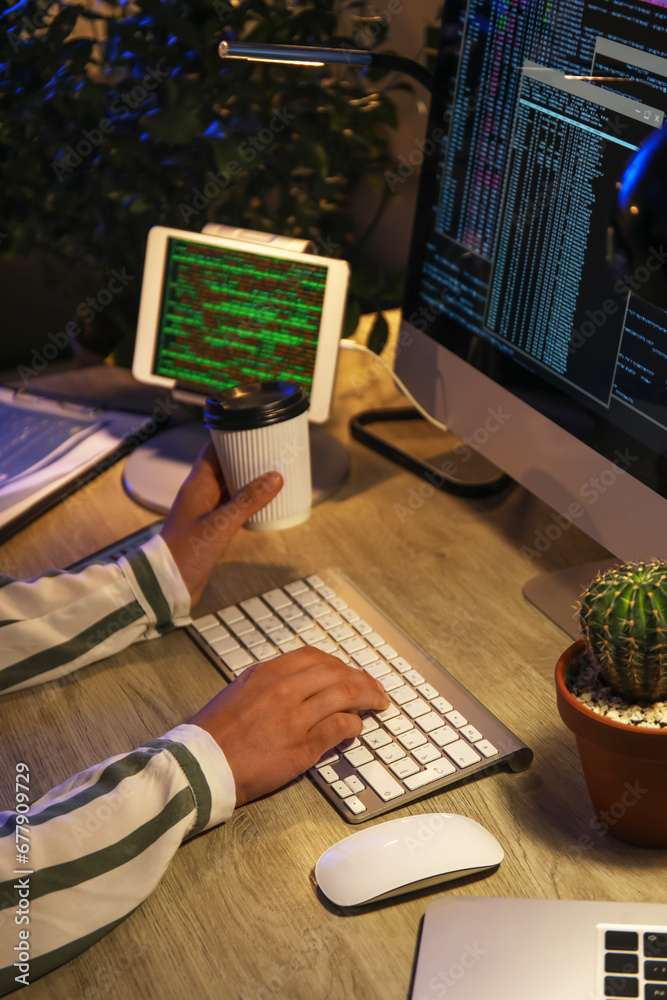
{"type": "Point", "coordinates": [557, 594]}
{"type": "Point", "coordinates": [155, 470]}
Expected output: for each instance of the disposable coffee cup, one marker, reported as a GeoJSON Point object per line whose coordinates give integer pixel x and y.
{"type": "Point", "coordinates": [257, 428]}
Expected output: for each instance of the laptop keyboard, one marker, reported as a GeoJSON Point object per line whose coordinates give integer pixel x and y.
{"type": "Point", "coordinates": [633, 962]}
{"type": "Point", "coordinates": [434, 733]}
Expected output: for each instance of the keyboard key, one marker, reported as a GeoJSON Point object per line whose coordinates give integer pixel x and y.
{"type": "Point", "coordinates": [289, 612]}
{"type": "Point", "coordinates": [413, 738]}
{"type": "Point", "coordinates": [462, 753]}
{"type": "Point", "coordinates": [340, 632]}
{"type": "Point", "coordinates": [368, 724]}
{"type": "Point", "coordinates": [377, 670]}
{"type": "Point", "coordinates": [364, 656]}
{"type": "Point", "coordinates": [315, 581]}
{"type": "Point", "coordinates": [441, 705]}
{"type": "Point", "coordinates": [621, 940]}
{"type": "Point", "coordinates": [326, 645]}
{"type": "Point", "coordinates": [401, 665]}
{"type": "Point", "coordinates": [328, 773]}
{"type": "Point", "coordinates": [281, 635]}
{"type": "Point", "coordinates": [277, 599]}
{"type": "Point", "coordinates": [390, 753]}
{"type": "Point", "coordinates": [353, 645]}
{"type": "Point", "coordinates": [256, 609]}
{"type": "Point", "coordinates": [327, 758]}
{"type": "Point", "coordinates": [621, 986]}
{"type": "Point", "coordinates": [311, 635]}
{"type": "Point", "coordinates": [241, 627]}
{"type": "Point", "coordinates": [655, 945]}
{"type": "Point", "coordinates": [355, 805]}
{"type": "Point", "coordinates": [301, 624]}
{"type": "Point", "coordinates": [486, 748]}
{"type": "Point", "coordinates": [236, 658]}
{"type": "Point", "coordinates": [429, 722]}
{"type": "Point", "coordinates": [354, 784]}
{"type": "Point", "coordinates": [656, 971]}
{"type": "Point", "coordinates": [252, 638]}
{"type": "Point", "coordinates": [224, 645]}
{"type": "Point", "coordinates": [265, 651]}
{"type": "Point", "coordinates": [326, 592]}
{"type": "Point", "coordinates": [414, 677]}
{"type": "Point", "coordinates": [345, 658]}
{"type": "Point", "coordinates": [318, 609]}
{"type": "Point", "coordinates": [330, 621]}
{"type": "Point", "coordinates": [388, 652]}
{"type": "Point", "coordinates": [391, 681]}
{"type": "Point", "coordinates": [341, 789]}
{"type": "Point", "coordinates": [382, 783]}
{"type": "Point", "coordinates": [444, 736]}
{"type": "Point", "coordinates": [347, 613]}
{"type": "Point", "coordinates": [230, 614]}
{"type": "Point", "coordinates": [456, 719]}
{"type": "Point", "coordinates": [374, 640]}
{"type": "Point", "coordinates": [427, 691]}
{"type": "Point", "coordinates": [362, 627]}
{"type": "Point", "coordinates": [349, 744]}
{"type": "Point", "coordinates": [426, 754]}
{"type": "Point", "coordinates": [398, 725]}
{"type": "Point", "coordinates": [297, 587]}
{"type": "Point", "coordinates": [290, 645]}
{"type": "Point", "coordinates": [388, 713]}
{"type": "Point", "coordinates": [307, 598]}
{"type": "Point", "coordinates": [432, 772]}
{"type": "Point", "coordinates": [358, 756]}
{"type": "Point", "coordinates": [337, 603]}
{"type": "Point", "coordinates": [376, 739]}
{"type": "Point", "coordinates": [404, 768]}
{"type": "Point", "coordinates": [207, 621]}
{"type": "Point", "coordinates": [621, 961]}
{"type": "Point", "coordinates": [471, 734]}
{"type": "Point", "coordinates": [271, 624]}
{"type": "Point", "coordinates": [217, 632]}
{"type": "Point", "coordinates": [416, 708]}
{"type": "Point", "coordinates": [402, 694]}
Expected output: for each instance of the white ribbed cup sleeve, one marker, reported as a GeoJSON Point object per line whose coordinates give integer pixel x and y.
{"type": "Point", "coordinates": [285, 447]}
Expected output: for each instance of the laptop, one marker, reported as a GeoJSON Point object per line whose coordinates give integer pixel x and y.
{"type": "Point", "coordinates": [481, 948]}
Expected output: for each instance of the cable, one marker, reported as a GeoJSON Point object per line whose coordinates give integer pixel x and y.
{"type": "Point", "coordinates": [351, 345]}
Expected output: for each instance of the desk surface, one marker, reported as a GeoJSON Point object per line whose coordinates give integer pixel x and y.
{"type": "Point", "coordinates": [237, 915]}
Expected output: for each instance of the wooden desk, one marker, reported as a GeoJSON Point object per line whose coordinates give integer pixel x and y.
{"type": "Point", "coordinates": [237, 914]}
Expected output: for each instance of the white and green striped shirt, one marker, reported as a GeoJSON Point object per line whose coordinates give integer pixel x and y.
{"type": "Point", "coordinates": [99, 842]}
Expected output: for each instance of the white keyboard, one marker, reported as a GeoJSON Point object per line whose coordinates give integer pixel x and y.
{"type": "Point", "coordinates": [434, 733]}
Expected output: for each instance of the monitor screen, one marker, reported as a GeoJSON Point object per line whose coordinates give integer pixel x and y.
{"type": "Point", "coordinates": [218, 312]}
{"type": "Point", "coordinates": [537, 108]}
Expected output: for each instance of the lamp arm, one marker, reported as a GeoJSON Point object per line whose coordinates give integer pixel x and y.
{"type": "Point", "coordinates": [313, 55]}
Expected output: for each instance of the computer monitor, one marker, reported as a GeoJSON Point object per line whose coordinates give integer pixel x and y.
{"type": "Point", "coordinates": [218, 311]}
{"type": "Point", "coordinates": [516, 332]}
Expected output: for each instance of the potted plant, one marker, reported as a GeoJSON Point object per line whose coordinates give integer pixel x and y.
{"type": "Point", "coordinates": [611, 687]}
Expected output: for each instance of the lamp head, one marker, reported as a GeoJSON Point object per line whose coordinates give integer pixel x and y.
{"type": "Point", "coordinates": [639, 220]}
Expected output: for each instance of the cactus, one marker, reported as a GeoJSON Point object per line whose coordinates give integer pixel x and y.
{"type": "Point", "coordinates": [623, 616]}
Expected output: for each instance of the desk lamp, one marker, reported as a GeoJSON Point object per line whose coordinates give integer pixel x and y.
{"type": "Point", "coordinates": [478, 477]}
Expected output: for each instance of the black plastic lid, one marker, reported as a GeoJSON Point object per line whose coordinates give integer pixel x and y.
{"type": "Point", "coordinates": [257, 404]}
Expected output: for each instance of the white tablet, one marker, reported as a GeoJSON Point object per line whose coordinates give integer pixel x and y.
{"type": "Point", "coordinates": [217, 312]}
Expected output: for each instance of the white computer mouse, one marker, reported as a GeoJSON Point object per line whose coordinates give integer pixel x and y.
{"type": "Point", "coordinates": [401, 855]}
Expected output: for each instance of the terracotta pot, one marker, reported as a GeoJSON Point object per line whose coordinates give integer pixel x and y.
{"type": "Point", "coordinates": [625, 766]}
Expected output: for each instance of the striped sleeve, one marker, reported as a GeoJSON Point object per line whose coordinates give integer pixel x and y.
{"type": "Point", "coordinates": [99, 844]}
{"type": "Point", "coordinates": [63, 621]}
